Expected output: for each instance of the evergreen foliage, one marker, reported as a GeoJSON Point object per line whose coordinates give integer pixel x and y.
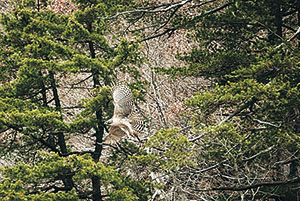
{"type": "Point", "coordinates": [245, 50]}
{"type": "Point", "coordinates": [245, 124]}
{"type": "Point", "coordinates": [39, 48]}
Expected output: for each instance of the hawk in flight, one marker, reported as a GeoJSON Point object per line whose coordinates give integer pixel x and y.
{"type": "Point", "coordinates": [125, 121]}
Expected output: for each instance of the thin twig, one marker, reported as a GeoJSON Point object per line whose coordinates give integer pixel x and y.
{"type": "Point", "coordinates": [264, 122]}
{"type": "Point", "coordinates": [261, 152]}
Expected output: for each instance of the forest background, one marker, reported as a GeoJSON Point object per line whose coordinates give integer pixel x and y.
{"type": "Point", "coordinates": [217, 82]}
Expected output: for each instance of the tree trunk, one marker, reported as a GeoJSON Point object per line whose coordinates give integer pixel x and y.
{"type": "Point", "coordinates": [67, 180]}
{"type": "Point", "coordinates": [99, 129]}
{"type": "Point", "coordinates": [298, 16]}
{"type": "Point", "coordinates": [276, 34]}
{"type": "Point", "coordinates": [44, 92]}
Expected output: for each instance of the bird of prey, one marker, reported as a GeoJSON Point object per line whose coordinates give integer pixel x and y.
{"type": "Point", "coordinates": [125, 121]}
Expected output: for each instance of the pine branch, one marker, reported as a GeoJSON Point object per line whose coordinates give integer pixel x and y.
{"type": "Point", "coordinates": [246, 105]}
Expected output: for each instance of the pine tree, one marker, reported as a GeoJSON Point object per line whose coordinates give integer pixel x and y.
{"type": "Point", "coordinates": [250, 114]}
{"type": "Point", "coordinates": [244, 125]}
{"type": "Point", "coordinates": [40, 49]}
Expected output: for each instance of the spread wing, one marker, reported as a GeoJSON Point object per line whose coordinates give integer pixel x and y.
{"type": "Point", "coordinates": [125, 121]}
{"type": "Point", "coordinates": [123, 101]}
{"type": "Point", "coordinates": [138, 121]}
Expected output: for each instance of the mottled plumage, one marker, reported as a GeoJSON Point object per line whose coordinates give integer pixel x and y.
{"type": "Point", "coordinates": [125, 121]}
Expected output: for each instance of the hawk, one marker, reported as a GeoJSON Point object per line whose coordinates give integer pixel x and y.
{"type": "Point", "coordinates": [125, 121]}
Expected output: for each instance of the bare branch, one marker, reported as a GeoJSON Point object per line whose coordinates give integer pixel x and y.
{"type": "Point", "coordinates": [77, 153]}
{"type": "Point", "coordinates": [41, 140]}
{"type": "Point", "coordinates": [83, 80]}
{"type": "Point", "coordinates": [253, 186]}
{"type": "Point", "coordinates": [246, 105]}
{"type": "Point", "coordinates": [261, 152]}
{"type": "Point", "coordinates": [197, 138]}
{"type": "Point", "coordinates": [212, 167]}
{"type": "Point", "coordinates": [213, 11]}
{"type": "Point", "coordinates": [154, 9]}
{"type": "Point", "coordinates": [169, 31]}
{"type": "Point", "coordinates": [168, 20]}
{"type": "Point", "coordinates": [287, 161]}
{"type": "Point", "coordinates": [292, 38]}
{"type": "Point", "coordinates": [53, 188]}
{"type": "Point", "coordinates": [264, 122]}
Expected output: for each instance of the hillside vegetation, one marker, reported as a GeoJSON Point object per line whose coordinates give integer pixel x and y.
{"type": "Point", "coordinates": [216, 81]}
